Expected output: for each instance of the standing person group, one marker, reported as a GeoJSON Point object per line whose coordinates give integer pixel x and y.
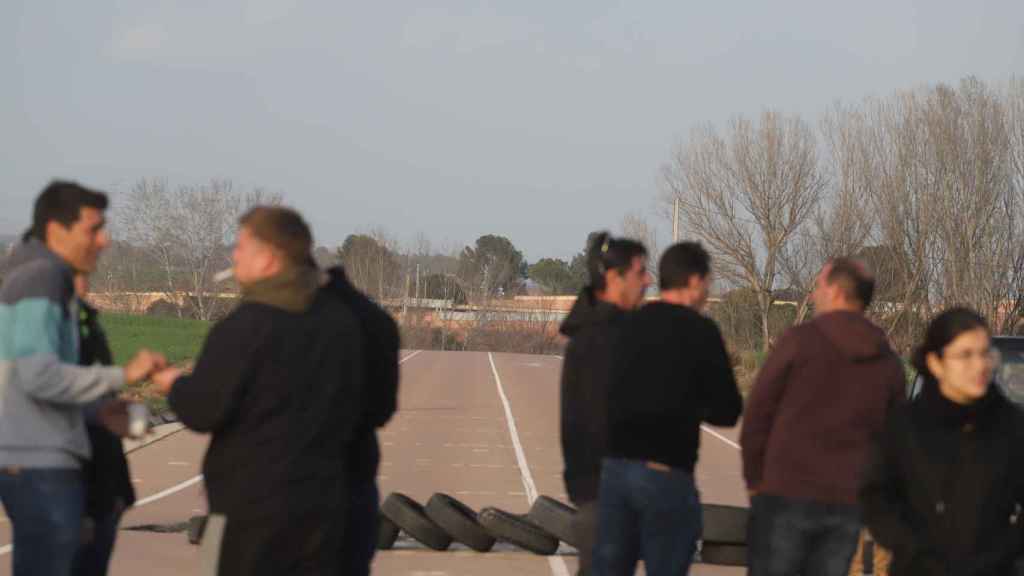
{"type": "Point", "coordinates": [829, 444]}
{"type": "Point", "coordinates": [292, 385]}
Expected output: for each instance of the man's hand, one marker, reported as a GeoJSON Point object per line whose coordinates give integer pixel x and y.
{"type": "Point", "coordinates": [143, 365]}
{"type": "Point", "coordinates": [113, 415]}
{"type": "Point", "coordinates": [164, 380]}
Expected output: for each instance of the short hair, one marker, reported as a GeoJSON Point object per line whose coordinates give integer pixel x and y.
{"type": "Point", "coordinates": [282, 228]}
{"type": "Point", "coordinates": [854, 279]}
{"type": "Point", "coordinates": [62, 202]}
{"type": "Point", "coordinates": [680, 262]}
{"type": "Point", "coordinates": [606, 253]}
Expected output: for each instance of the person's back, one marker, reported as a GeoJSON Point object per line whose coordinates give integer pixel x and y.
{"type": "Point", "coordinates": [287, 400]}
{"type": "Point", "coordinates": [840, 379]}
{"type": "Point", "coordinates": [822, 394]}
{"type": "Point", "coordinates": [279, 385]}
{"type": "Point", "coordinates": [381, 343]}
{"type": "Point", "coordinates": [671, 373]}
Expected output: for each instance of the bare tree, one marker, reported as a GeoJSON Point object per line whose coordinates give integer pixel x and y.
{"type": "Point", "coordinates": [747, 195]}
{"type": "Point", "coordinates": [638, 228]}
{"type": "Point", "coordinates": [187, 231]}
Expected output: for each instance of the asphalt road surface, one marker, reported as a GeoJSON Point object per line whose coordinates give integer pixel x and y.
{"type": "Point", "coordinates": [480, 427]}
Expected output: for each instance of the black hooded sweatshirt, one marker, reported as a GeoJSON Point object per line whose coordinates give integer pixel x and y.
{"type": "Point", "coordinates": [591, 327]}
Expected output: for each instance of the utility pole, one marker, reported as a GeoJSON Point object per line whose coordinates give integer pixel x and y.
{"type": "Point", "coordinates": [675, 220]}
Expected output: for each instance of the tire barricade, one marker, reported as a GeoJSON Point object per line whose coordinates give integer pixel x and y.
{"type": "Point", "coordinates": [445, 520]}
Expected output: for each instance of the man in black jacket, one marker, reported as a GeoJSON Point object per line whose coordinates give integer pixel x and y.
{"type": "Point", "coordinates": [381, 343]}
{"type": "Point", "coordinates": [672, 372]}
{"type": "Point", "coordinates": [278, 384]}
{"type": "Point", "coordinates": [618, 280]}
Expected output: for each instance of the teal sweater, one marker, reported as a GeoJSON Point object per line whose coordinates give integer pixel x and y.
{"type": "Point", "coordinates": [42, 389]}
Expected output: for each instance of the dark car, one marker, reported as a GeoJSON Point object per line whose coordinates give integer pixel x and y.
{"type": "Point", "coordinates": [1009, 374]}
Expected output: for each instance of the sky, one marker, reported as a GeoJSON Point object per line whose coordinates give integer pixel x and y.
{"type": "Point", "coordinates": [537, 120]}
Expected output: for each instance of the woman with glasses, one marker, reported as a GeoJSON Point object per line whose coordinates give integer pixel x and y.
{"type": "Point", "coordinates": [944, 490]}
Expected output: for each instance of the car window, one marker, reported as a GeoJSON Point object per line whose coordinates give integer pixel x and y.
{"type": "Point", "coordinates": [1010, 370]}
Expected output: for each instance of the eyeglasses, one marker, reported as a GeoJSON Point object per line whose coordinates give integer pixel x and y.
{"type": "Point", "coordinates": [990, 355]}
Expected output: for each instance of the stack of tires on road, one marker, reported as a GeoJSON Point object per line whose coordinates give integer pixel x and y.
{"type": "Point", "coordinates": [445, 520]}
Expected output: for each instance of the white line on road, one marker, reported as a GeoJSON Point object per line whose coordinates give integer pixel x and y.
{"type": "Point", "coordinates": [558, 567]}
{"type": "Point", "coordinates": [410, 356]}
{"type": "Point", "coordinates": [720, 437]}
{"type": "Point", "coordinates": [172, 490]}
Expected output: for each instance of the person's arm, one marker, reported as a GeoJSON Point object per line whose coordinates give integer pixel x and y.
{"type": "Point", "coordinates": [724, 404]}
{"type": "Point", "coordinates": [204, 399]}
{"type": "Point", "coordinates": [36, 325]}
{"type": "Point", "coordinates": [384, 342]}
{"type": "Point", "coordinates": [759, 418]}
{"type": "Point", "coordinates": [884, 499]}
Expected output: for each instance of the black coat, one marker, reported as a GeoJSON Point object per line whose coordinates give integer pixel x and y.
{"type": "Point", "coordinates": [592, 327]}
{"type": "Point", "coordinates": [106, 476]}
{"type": "Point", "coordinates": [280, 392]}
{"type": "Point", "coordinates": [672, 373]}
{"type": "Point", "coordinates": [381, 342]}
{"type": "Point", "coordinates": [945, 486]}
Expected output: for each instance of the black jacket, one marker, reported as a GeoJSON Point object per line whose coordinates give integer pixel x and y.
{"type": "Point", "coordinates": [945, 485]}
{"type": "Point", "coordinates": [671, 373]}
{"type": "Point", "coordinates": [381, 342]}
{"type": "Point", "coordinates": [280, 392]}
{"type": "Point", "coordinates": [106, 476]}
{"type": "Point", "coordinates": [586, 374]}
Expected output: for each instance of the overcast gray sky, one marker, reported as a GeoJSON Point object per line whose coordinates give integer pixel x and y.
{"type": "Point", "coordinates": [537, 120]}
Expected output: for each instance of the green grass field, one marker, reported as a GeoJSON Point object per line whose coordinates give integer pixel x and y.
{"type": "Point", "coordinates": [177, 339]}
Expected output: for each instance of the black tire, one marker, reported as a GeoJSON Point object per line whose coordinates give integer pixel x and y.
{"type": "Point", "coordinates": [723, 554]}
{"type": "Point", "coordinates": [408, 515]}
{"type": "Point", "coordinates": [725, 524]}
{"type": "Point", "coordinates": [556, 518]}
{"type": "Point", "coordinates": [387, 533]}
{"type": "Point", "coordinates": [517, 530]}
{"type": "Point", "coordinates": [196, 526]}
{"type": "Point", "coordinates": [459, 521]}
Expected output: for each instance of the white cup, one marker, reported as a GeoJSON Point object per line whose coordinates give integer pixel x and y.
{"type": "Point", "coordinates": [138, 420]}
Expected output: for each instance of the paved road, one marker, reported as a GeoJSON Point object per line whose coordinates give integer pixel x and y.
{"type": "Point", "coordinates": [481, 427]}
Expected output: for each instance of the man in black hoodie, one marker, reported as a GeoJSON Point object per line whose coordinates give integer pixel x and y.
{"type": "Point", "coordinates": [381, 342]}
{"type": "Point", "coordinates": [671, 373]}
{"type": "Point", "coordinates": [279, 385]}
{"type": "Point", "coordinates": [618, 280]}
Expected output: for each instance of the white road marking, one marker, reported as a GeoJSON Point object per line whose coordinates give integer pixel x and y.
{"type": "Point", "coordinates": [172, 490]}
{"type": "Point", "coordinates": [720, 437]}
{"type": "Point", "coordinates": [558, 567]}
{"type": "Point", "coordinates": [410, 356]}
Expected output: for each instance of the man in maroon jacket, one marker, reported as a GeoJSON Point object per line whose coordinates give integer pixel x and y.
{"type": "Point", "coordinates": [822, 394]}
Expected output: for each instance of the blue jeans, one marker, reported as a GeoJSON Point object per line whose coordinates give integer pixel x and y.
{"type": "Point", "coordinates": [45, 507]}
{"type": "Point", "coordinates": [360, 528]}
{"type": "Point", "coordinates": [649, 514]}
{"type": "Point", "coordinates": [789, 537]}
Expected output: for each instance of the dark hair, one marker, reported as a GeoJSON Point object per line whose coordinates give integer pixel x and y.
{"type": "Point", "coordinates": [282, 228]}
{"type": "Point", "coordinates": [62, 202]}
{"type": "Point", "coordinates": [606, 253]}
{"type": "Point", "coordinates": [942, 330]}
{"type": "Point", "coordinates": [680, 262]}
{"type": "Point", "coordinates": [854, 278]}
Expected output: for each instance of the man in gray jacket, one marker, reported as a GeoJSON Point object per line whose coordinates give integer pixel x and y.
{"type": "Point", "coordinates": [43, 391]}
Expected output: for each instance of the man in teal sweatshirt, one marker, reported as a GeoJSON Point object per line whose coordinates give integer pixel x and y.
{"type": "Point", "coordinates": [43, 391]}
